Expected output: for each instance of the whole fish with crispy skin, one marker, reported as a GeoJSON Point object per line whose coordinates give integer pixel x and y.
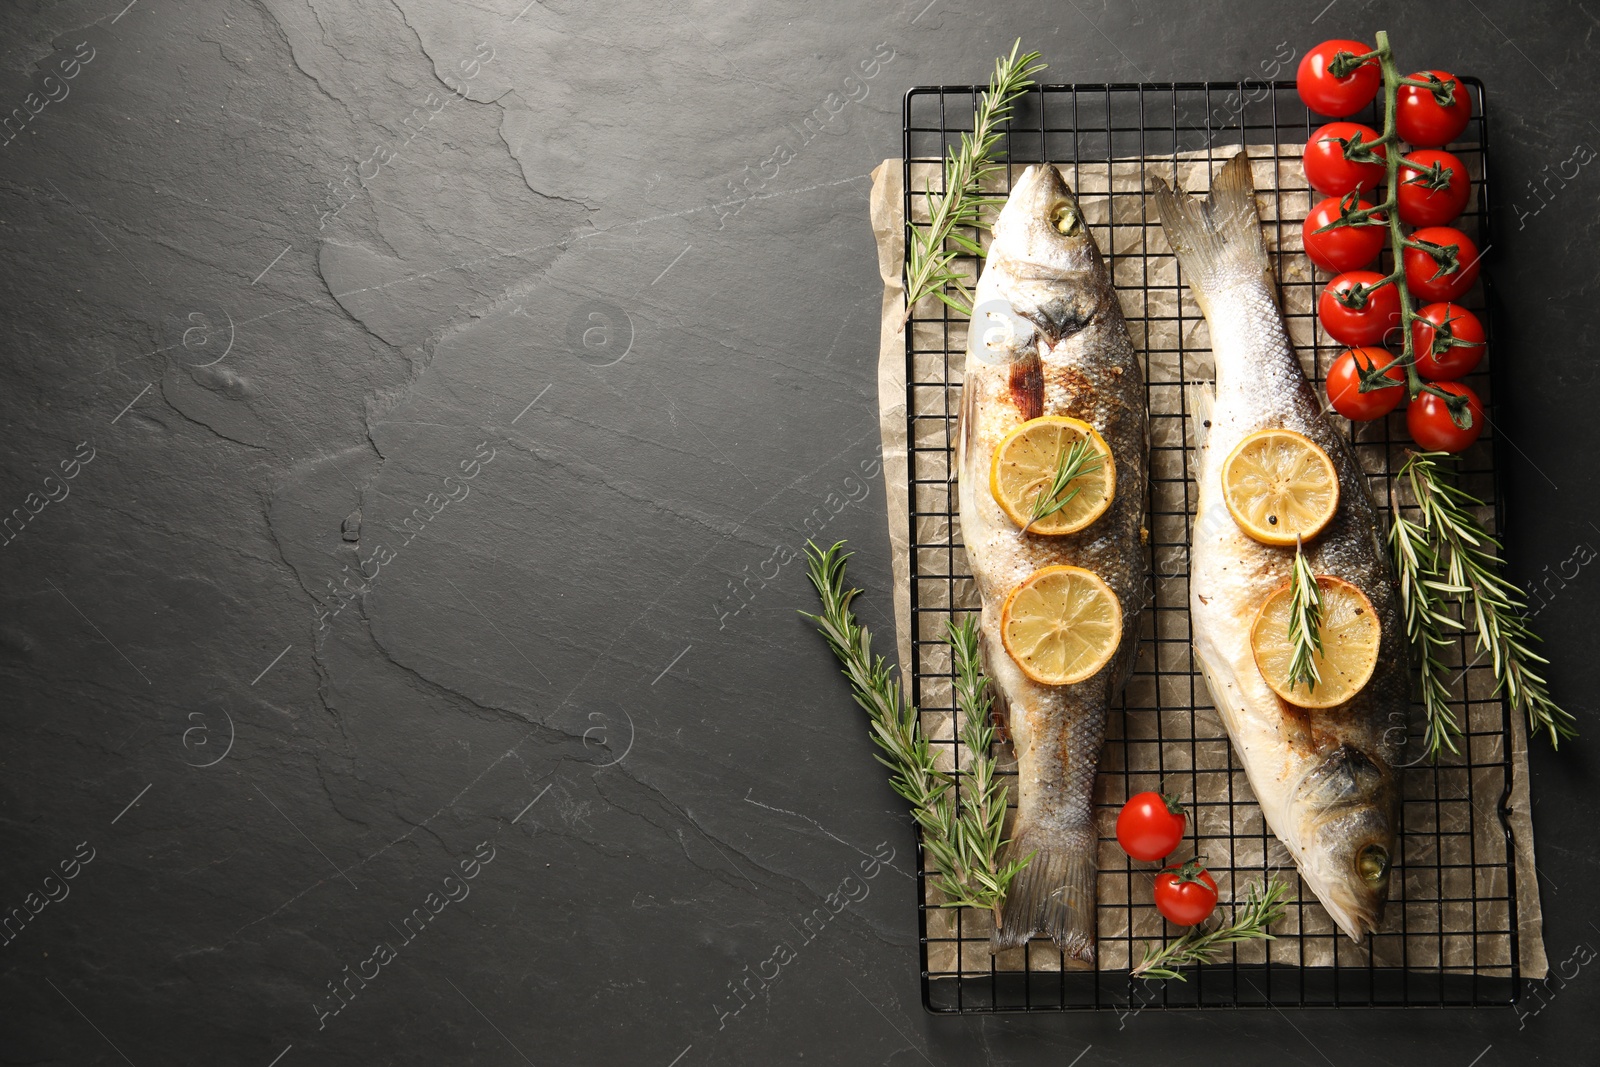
{"type": "Point", "coordinates": [1048, 338]}
{"type": "Point", "coordinates": [1325, 779]}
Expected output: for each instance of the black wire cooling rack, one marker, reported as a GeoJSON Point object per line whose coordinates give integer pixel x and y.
{"type": "Point", "coordinates": [1450, 932]}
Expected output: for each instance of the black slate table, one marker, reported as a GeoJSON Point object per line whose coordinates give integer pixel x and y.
{"type": "Point", "coordinates": [414, 411]}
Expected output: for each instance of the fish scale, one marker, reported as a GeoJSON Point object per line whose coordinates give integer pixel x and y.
{"type": "Point", "coordinates": [1048, 338]}
{"type": "Point", "coordinates": [1325, 779]}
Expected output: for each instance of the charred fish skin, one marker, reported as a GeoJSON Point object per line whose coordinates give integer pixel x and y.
{"type": "Point", "coordinates": [1325, 780]}
{"type": "Point", "coordinates": [1048, 338]}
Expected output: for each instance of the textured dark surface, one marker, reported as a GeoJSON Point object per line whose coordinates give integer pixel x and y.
{"type": "Point", "coordinates": [579, 207]}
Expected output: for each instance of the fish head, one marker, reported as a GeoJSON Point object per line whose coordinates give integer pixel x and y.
{"type": "Point", "coordinates": [1042, 224]}
{"type": "Point", "coordinates": [1056, 278]}
{"type": "Point", "coordinates": [1344, 810]}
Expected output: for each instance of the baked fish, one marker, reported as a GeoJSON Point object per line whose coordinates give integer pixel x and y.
{"type": "Point", "coordinates": [1325, 778]}
{"type": "Point", "coordinates": [1048, 344]}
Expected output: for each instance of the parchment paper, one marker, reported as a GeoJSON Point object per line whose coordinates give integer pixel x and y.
{"type": "Point", "coordinates": [1439, 901]}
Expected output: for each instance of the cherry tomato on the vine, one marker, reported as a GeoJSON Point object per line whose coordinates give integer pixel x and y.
{"type": "Point", "coordinates": [1337, 97]}
{"type": "Point", "coordinates": [1327, 169]}
{"type": "Point", "coordinates": [1422, 120]}
{"type": "Point", "coordinates": [1186, 895]}
{"type": "Point", "coordinates": [1343, 247]}
{"type": "Point", "coordinates": [1431, 425]}
{"type": "Point", "coordinates": [1423, 271]}
{"type": "Point", "coordinates": [1448, 342]}
{"type": "Point", "coordinates": [1433, 187]}
{"type": "Point", "coordinates": [1150, 826]}
{"type": "Point", "coordinates": [1344, 384]}
{"type": "Point", "coordinates": [1377, 313]}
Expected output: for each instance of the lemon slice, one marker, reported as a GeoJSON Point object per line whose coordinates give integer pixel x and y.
{"type": "Point", "coordinates": [1350, 634]}
{"type": "Point", "coordinates": [1278, 485]}
{"type": "Point", "coordinates": [1061, 625]}
{"type": "Point", "coordinates": [1026, 463]}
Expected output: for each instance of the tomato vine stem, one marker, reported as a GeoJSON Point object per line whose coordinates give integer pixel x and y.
{"type": "Point", "coordinates": [1397, 238]}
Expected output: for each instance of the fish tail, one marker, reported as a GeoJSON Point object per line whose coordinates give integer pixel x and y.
{"type": "Point", "coordinates": [1054, 894]}
{"type": "Point", "coordinates": [1217, 239]}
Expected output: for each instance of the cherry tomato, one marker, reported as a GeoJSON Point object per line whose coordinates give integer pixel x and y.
{"type": "Point", "coordinates": [1150, 826]}
{"type": "Point", "coordinates": [1448, 342]}
{"type": "Point", "coordinates": [1428, 418]}
{"type": "Point", "coordinates": [1422, 270]}
{"type": "Point", "coordinates": [1344, 384]}
{"type": "Point", "coordinates": [1433, 187]}
{"type": "Point", "coordinates": [1343, 247]}
{"type": "Point", "coordinates": [1422, 120]}
{"type": "Point", "coordinates": [1186, 895]}
{"type": "Point", "coordinates": [1365, 325]}
{"type": "Point", "coordinates": [1337, 97]}
{"type": "Point", "coordinates": [1329, 172]}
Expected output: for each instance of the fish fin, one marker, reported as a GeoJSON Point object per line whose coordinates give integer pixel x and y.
{"type": "Point", "coordinates": [966, 424]}
{"type": "Point", "coordinates": [1218, 239]}
{"type": "Point", "coordinates": [1202, 397]}
{"type": "Point", "coordinates": [1026, 381]}
{"type": "Point", "coordinates": [1054, 894]}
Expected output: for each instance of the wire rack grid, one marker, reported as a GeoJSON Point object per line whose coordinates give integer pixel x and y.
{"type": "Point", "coordinates": [1450, 932]}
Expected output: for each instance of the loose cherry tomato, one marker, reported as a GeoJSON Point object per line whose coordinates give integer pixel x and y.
{"type": "Point", "coordinates": [1422, 120]}
{"type": "Point", "coordinates": [1327, 169]}
{"type": "Point", "coordinates": [1186, 895]}
{"type": "Point", "coordinates": [1150, 826]}
{"type": "Point", "coordinates": [1433, 187]}
{"type": "Point", "coordinates": [1448, 342]}
{"type": "Point", "coordinates": [1343, 247]}
{"type": "Point", "coordinates": [1337, 97]}
{"type": "Point", "coordinates": [1344, 384]}
{"type": "Point", "coordinates": [1432, 426]}
{"type": "Point", "coordinates": [1354, 314]}
{"type": "Point", "coordinates": [1424, 275]}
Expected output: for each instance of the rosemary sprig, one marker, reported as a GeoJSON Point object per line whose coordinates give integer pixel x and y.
{"type": "Point", "coordinates": [1305, 622]}
{"type": "Point", "coordinates": [1423, 593]}
{"type": "Point", "coordinates": [961, 839]}
{"type": "Point", "coordinates": [1263, 906]}
{"type": "Point", "coordinates": [1072, 463]}
{"type": "Point", "coordinates": [930, 259]}
{"type": "Point", "coordinates": [1465, 567]}
{"type": "Point", "coordinates": [976, 841]}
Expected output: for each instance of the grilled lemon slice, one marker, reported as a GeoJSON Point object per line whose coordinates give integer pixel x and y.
{"type": "Point", "coordinates": [1350, 635]}
{"type": "Point", "coordinates": [1061, 625]}
{"type": "Point", "coordinates": [1279, 485]}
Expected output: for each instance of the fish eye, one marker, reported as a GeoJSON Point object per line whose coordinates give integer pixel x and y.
{"type": "Point", "coordinates": [1372, 863]}
{"type": "Point", "coordinates": [1067, 220]}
